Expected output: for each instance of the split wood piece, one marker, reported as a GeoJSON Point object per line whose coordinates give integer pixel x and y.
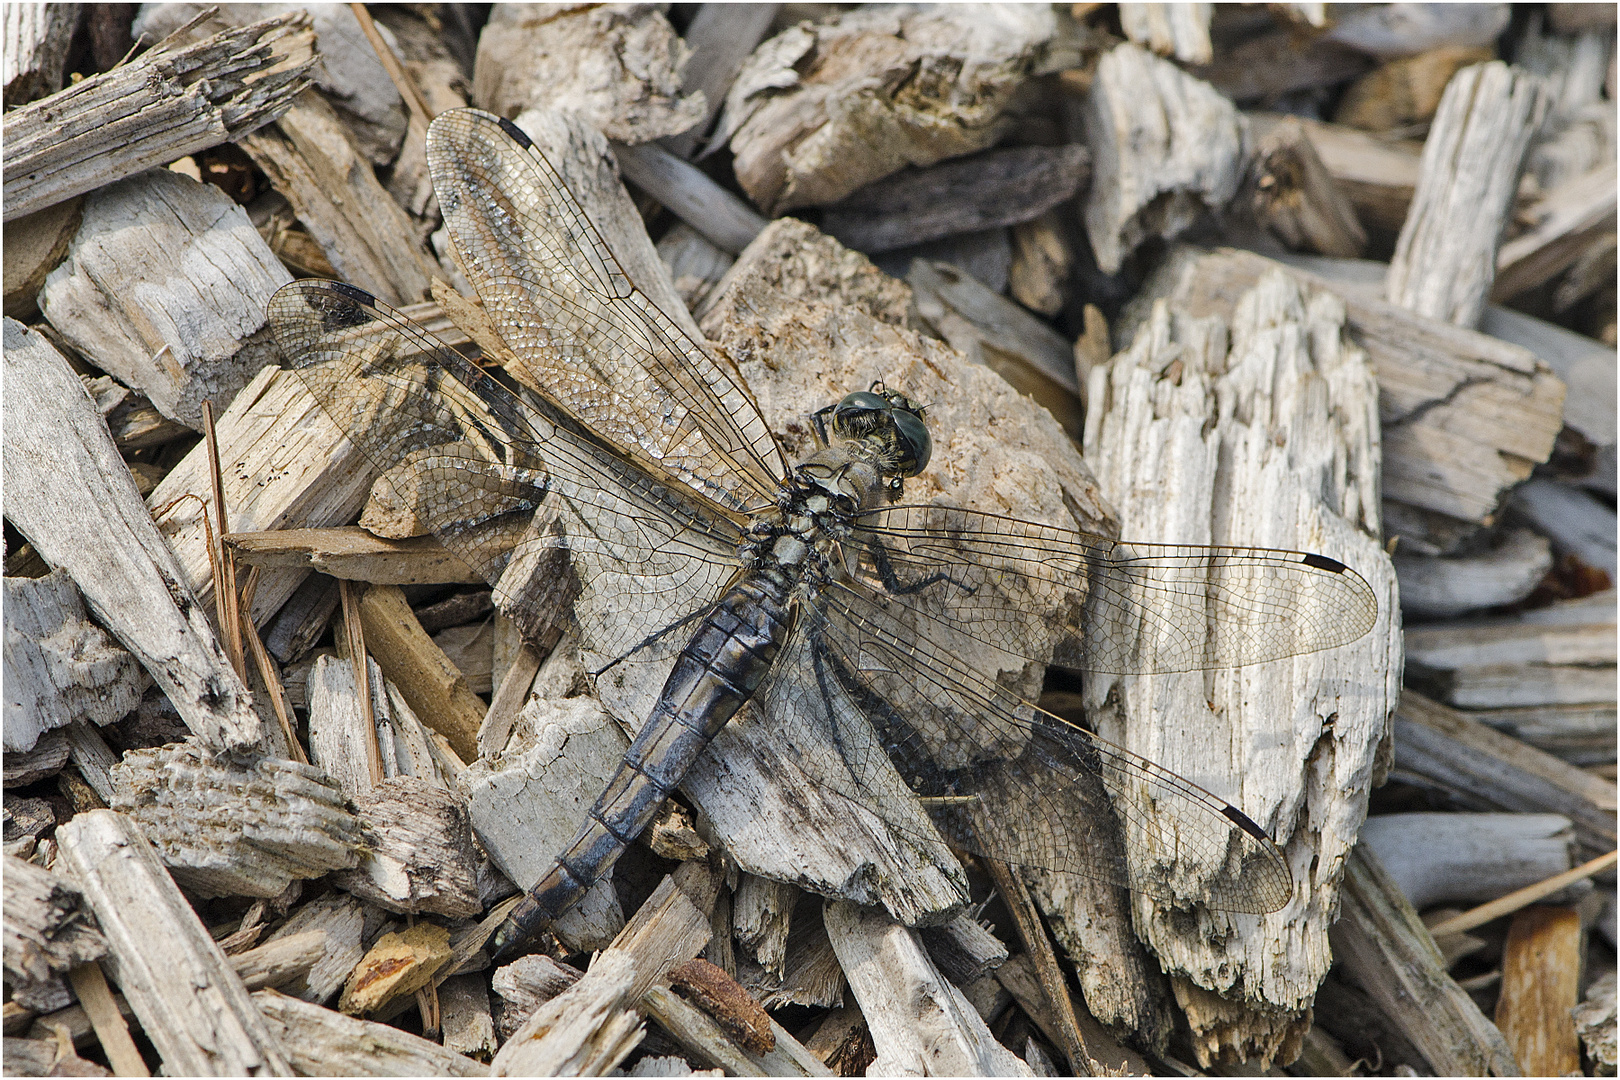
{"type": "Point", "coordinates": [618, 67]}
{"type": "Point", "coordinates": [350, 553]}
{"type": "Point", "coordinates": [48, 931]}
{"type": "Point", "coordinates": [190, 1002]}
{"type": "Point", "coordinates": [397, 965]}
{"type": "Point", "coordinates": [695, 264]}
{"type": "Point", "coordinates": [1042, 261]}
{"type": "Point", "coordinates": [821, 110]}
{"type": "Point", "coordinates": [302, 620]}
{"type": "Point", "coordinates": [1467, 858]}
{"type": "Point", "coordinates": [1378, 177]}
{"type": "Point", "coordinates": [964, 950]}
{"type": "Point", "coordinates": [34, 246]}
{"type": "Point", "coordinates": [419, 855]}
{"type": "Point", "coordinates": [1439, 747]}
{"type": "Point", "coordinates": [1445, 259]}
{"type": "Point", "coordinates": [321, 1041]}
{"type": "Point", "coordinates": [919, 1021]}
{"type": "Point", "coordinates": [311, 158]}
{"type": "Point", "coordinates": [339, 919]}
{"type": "Point", "coordinates": [528, 807]}
{"type": "Point", "coordinates": [45, 760]}
{"type": "Point", "coordinates": [998, 187]}
{"type": "Point", "coordinates": [1405, 91]}
{"type": "Point", "coordinates": [1541, 969]}
{"type": "Point", "coordinates": [465, 1018]}
{"type": "Point", "coordinates": [1296, 198]}
{"type": "Point", "coordinates": [73, 1019]}
{"type": "Point", "coordinates": [338, 738]}
{"type": "Point", "coordinates": [47, 1057]}
{"type": "Point", "coordinates": [1595, 1024]}
{"type": "Point", "coordinates": [128, 296]}
{"type": "Point", "coordinates": [93, 757]}
{"type": "Point", "coordinates": [720, 37]}
{"type": "Point", "coordinates": [1360, 1025]}
{"type": "Point", "coordinates": [287, 821]}
{"type": "Point", "coordinates": [810, 972]}
{"type": "Point", "coordinates": [427, 680]}
{"type": "Point", "coordinates": [1166, 148]}
{"type": "Point", "coordinates": [707, 1038]}
{"type": "Point", "coordinates": [991, 330]}
{"type": "Point", "coordinates": [471, 648]}
{"type": "Point", "coordinates": [349, 74]}
{"type": "Point", "coordinates": [1578, 523]}
{"type": "Point", "coordinates": [1178, 30]}
{"type": "Point", "coordinates": [762, 918]}
{"type": "Point", "coordinates": [1507, 663]}
{"type": "Point", "coordinates": [59, 666]}
{"type": "Point", "coordinates": [1385, 949]}
{"type": "Point", "coordinates": [131, 417]}
{"type": "Point", "coordinates": [510, 697]}
{"type": "Point", "coordinates": [985, 256]}
{"type": "Point", "coordinates": [526, 984]}
{"type": "Point", "coordinates": [1175, 434]}
{"type": "Point", "coordinates": [172, 101]}
{"type": "Point", "coordinates": [1438, 588]}
{"type": "Point", "coordinates": [595, 1023]}
{"type": "Point", "coordinates": [743, 1019]}
{"type": "Point", "coordinates": [72, 496]}
{"type": "Point", "coordinates": [36, 39]}
{"type": "Point", "coordinates": [1579, 734]}
{"type": "Point", "coordinates": [1464, 921]}
{"type": "Point", "coordinates": [1264, 68]}
{"type": "Point", "coordinates": [1568, 222]}
{"type": "Point", "coordinates": [690, 194]}
{"type": "Point", "coordinates": [280, 961]}
{"type": "Point", "coordinates": [1463, 417]}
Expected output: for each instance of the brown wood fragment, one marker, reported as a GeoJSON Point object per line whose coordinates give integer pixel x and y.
{"type": "Point", "coordinates": [1405, 90]}
{"type": "Point", "coordinates": [1041, 263]}
{"type": "Point", "coordinates": [1567, 223]}
{"type": "Point", "coordinates": [396, 966]}
{"type": "Point", "coordinates": [90, 986]}
{"type": "Point", "coordinates": [1296, 197]}
{"type": "Point", "coordinates": [719, 995]}
{"type": "Point", "coordinates": [1377, 177]}
{"type": "Point", "coordinates": [1266, 67]}
{"type": "Point", "coordinates": [350, 553]}
{"type": "Point", "coordinates": [426, 678]}
{"type": "Point", "coordinates": [1541, 968]}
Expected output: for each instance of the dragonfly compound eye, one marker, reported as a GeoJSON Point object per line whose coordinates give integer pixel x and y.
{"type": "Point", "coordinates": [913, 441]}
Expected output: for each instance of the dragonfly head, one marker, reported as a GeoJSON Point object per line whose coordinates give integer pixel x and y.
{"type": "Point", "coordinates": [890, 417]}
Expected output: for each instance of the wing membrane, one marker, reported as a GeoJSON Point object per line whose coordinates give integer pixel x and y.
{"type": "Point", "coordinates": [590, 339]}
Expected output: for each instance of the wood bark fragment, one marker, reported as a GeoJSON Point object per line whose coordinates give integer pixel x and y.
{"type": "Point", "coordinates": [1165, 149]}
{"type": "Point", "coordinates": [190, 1002]}
{"type": "Point", "coordinates": [321, 1041]}
{"type": "Point", "coordinates": [464, 1017]}
{"type": "Point", "coordinates": [339, 919]}
{"type": "Point", "coordinates": [72, 496]}
{"type": "Point", "coordinates": [727, 221]}
{"type": "Point", "coordinates": [35, 38]}
{"type": "Point", "coordinates": [280, 961]}
{"type": "Point", "coordinates": [59, 666]}
{"type": "Point", "coordinates": [48, 931]}
{"type": "Point", "coordinates": [172, 101]}
{"type": "Point", "coordinates": [1405, 90]}
{"type": "Point", "coordinates": [1445, 259]}
{"type": "Point", "coordinates": [695, 264]}
{"type": "Point", "coordinates": [1595, 1024]}
{"type": "Point", "coordinates": [1465, 859]}
{"type": "Point", "coordinates": [351, 553]}
{"type": "Point", "coordinates": [1541, 969]}
{"type": "Point", "coordinates": [1579, 524]}
{"type": "Point", "coordinates": [34, 246]}
{"type": "Point", "coordinates": [1266, 67]}
{"type": "Point", "coordinates": [90, 987]}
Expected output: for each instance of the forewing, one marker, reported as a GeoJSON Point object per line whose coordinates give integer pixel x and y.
{"type": "Point", "coordinates": [1109, 606]}
{"type": "Point", "coordinates": [590, 339]}
{"type": "Point", "coordinates": [479, 461]}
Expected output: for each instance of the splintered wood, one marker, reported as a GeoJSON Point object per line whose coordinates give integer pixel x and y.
{"type": "Point", "coordinates": [1332, 287]}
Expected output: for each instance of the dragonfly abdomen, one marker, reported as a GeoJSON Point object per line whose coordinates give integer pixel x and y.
{"type": "Point", "coordinates": [720, 669]}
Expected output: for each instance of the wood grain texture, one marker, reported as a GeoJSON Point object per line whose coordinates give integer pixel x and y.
{"type": "Point", "coordinates": [1541, 971]}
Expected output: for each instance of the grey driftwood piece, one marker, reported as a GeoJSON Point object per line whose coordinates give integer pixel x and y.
{"type": "Point", "coordinates": [1263, 434]}
{"type": "Point", "coordinates": [1578, 523]}
{"type": "Point", "coordinates": [93, 757]}
{"type": "Point", "coordinates": [1434, 587]}
{"type": "Point", "coordinates": [287, 821]}
{"type": "Point", "coordinates": [1165, 149]}
{"type": "Point", "coordinates": [1467, 859]}
{"type": "Point", "coordinates": [191, 1003]}
{"type": "Point", "coordinates": [1388, 32]}
{"type": "Point", "coordinates": [720, 37]}
{"type": "Point", "coordinates": [1386, 950]}
{"type": "Point", "coordinates": [809, 137]}
{"type": "Point", "coordinates": [338, 740]}
{"type": "Point", "coordinates": [1573, 221]}
{"type": "Point", "coordinates": [618, 66]}
{"type": "Point", "coordinates": [420, 855]}
{"type": "Point", "coordinates": [762, 917]}
{"type": "Point", "coordinates": [172, 101]}
{"type": "Point", "coordinates": [998, 187]}
{"type": "Point", "coordinates": [48, 930]}
{"type": "Point", "coordinates": [128, 297]}
{"type": "Point", "coordinates": [60, 666]}
{"type": "Point", "coordinates": [1463, 416]}
{"type": "Point", "coordinates": [464, 1016]}
{"type": "Point", "coordinates": [35, 39]}
{"type": "Point", "coordinates": [695, 263]}
{"type": "Point", "coordinates": [1445, 259]}
{"type": "Point", "coordinates": [320, 1041]}
{"type": "Point", "coordinates": [339, 919]}
{"type": "Point", "coordinates": [691, 195]}
{"type": "Point", "coordinates": [1178, 30]}
{"type": "Point", "coordinates": [73, 497]}
{"type": "Point", "coordinates": [276, 963]}
{"type": "Point", "coordinates": [46, 759]}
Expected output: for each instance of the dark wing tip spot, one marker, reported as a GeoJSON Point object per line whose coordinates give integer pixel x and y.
{"type": "Point", "coordinates": [1244, 822]}
{"type": "Point", "coordinates": [1322, 562]}
{"type": "Point", "coordinates": [359, 296]}
{"type": "Point", "coordinates": [515, 132]}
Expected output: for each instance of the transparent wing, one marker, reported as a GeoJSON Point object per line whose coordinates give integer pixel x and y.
{"type": "Point", "coordinates": [1107, 605]}
{"type": "Point", "coordinates": [1002, 778]}
{"type": "Point", "coordinates": [477, 461]}
{"type": "Point", "coordinates": [591, 340]}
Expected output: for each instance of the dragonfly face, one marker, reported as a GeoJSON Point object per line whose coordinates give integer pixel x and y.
{"type": "Point", "coordinates": [907, 635]}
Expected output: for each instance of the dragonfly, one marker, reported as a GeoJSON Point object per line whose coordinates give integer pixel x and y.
{"type": "Point", "coordinates": [618, 479]}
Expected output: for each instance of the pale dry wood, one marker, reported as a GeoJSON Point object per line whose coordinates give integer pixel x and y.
{"type": "Point", "coordinates": [720, 37]}
{"type": "Point", "coordinates": [397, 965]}
{"type": "Point", "coordinates": [1595, 1016]}
{"type": "Point", "coordinates": [1178, 30]}
{"type": "Point", "coordinates": [1494, 686]}
{"type": "Point", "coordinates": [90, 987]}
{"type": "Point", "coordinates": [73, 1019]}
{"type": "Point", "coordinates": [1041, 263]}
{"type": "Point", "coordinates": [338, 741]}
{"type": "Point", "coordinates": [1579, 734]}
{"type": "Point", "coordinates": [509, 698]}
{"type": "Point", "coordinates": [920, 1022]}
{"type": "Point", "coordinates": [72, 496]}
{"type": "Point", "coordinates": [1386, 950]}
{"type": "Point", "coordinates": [1578, 523]}
{"type": "Point", "coordinates": [1521, 898]}
{"type": "Point", "coordinates": [809, 137]}
{"type": "Point", "coordinates": [47, 1057]}
{"type": "Point", "coordinates": [1175, 434]}
{"type": "Point", "coordinates": [1467, 858]}
{"type": "Point", "coordinates": [1405, 90]}
{"type": "Point", "coordinates": [810, 974]}
{"type": "Point", "coordinates": [320, 1041]}
{"type": "Point", "coordinates": [46, 759]}
{"type": "Point", "coordinates": [985, 191]}
{"type": "Point", "coordinates": [131, 417]}
{"type": "Point", "coordinates": [964, 949]}
{"type": "Point", "coordinates": [1166, 148]}
{"type": "Point", "coordinates": [1541, 968]}
{"type": "Point", "coordinates": [351, 553]}
{"type": "Point", "coordinates": [1446, 256]}
{"type": "Point", "coordinates": [172, 101]}
{"type": "Point", "coordinates": [190, 1002]}
{"type": "Point", "coordinates": [527, 983]}
{"type": "Point", "coordinates": [35, 38]}
{"type": "Point", "coordinates": [302, 620]}
{"type": "Point", "coordinates": [984, 256]}
{"type": "Point", "coordinates": [281, 960]}
{"type": "Point", "coordinates": [339, 919]}
{"type": "Point", "coordinates": [287, 821]}
{"type": "Point", "coordinates": [1377, 177]}
{"type": "Point", "coordinates": [34, 246]}
{"type": "Point", "coordinates": [698, 1032]}
{"type": "Point", "coordinates": [695, 264]}
{"type": "Point", "coordinates": [1435, 587]}
{"type": "Point", "coordinates": [93, 757]}
{"type": "Point", "coordinates": [471, 648]}
{"type": "Point", "coordinates": [420, 855]}
{"type": "Point", "coordinates": [1386, 31]}
{"type": "Point", "coordinates": [526, 805]}
{"type": "Point", "coordinates": [1515, 663]}
{"type": "Point", "coordinates": [618, 66]}
{"type": "Point", "coordinates": [465, 1018]}
{"type": "Point", "coordinates": [59, 666]}
{"type": "Point", "coordinates": [1569, 221]}
{"type": "Point", "coordinates": [690, 194]}
{"type": "Point", "coordinates": [1462, 417]}
{"type": "Point", "coordinates": [1297, 199]}
{"type": "Point", "coordinates": [429, 683]}
{"type": "Point", "coordinates": [762, 918]}
{"type": "Point", "coordinates": [1440, 747]}
{"type": "Point", "coordinates": [311, 158]}
{"type": "Point", "coordinates": [48, 930]}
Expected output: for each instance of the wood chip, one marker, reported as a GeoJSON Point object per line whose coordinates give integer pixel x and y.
{"type": "Point", "coordinates": [1541, 969]}
{"type": "Point", "coordinates": [320, 1039]}
{"type": "Point", "coordinates": [396, 966]}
